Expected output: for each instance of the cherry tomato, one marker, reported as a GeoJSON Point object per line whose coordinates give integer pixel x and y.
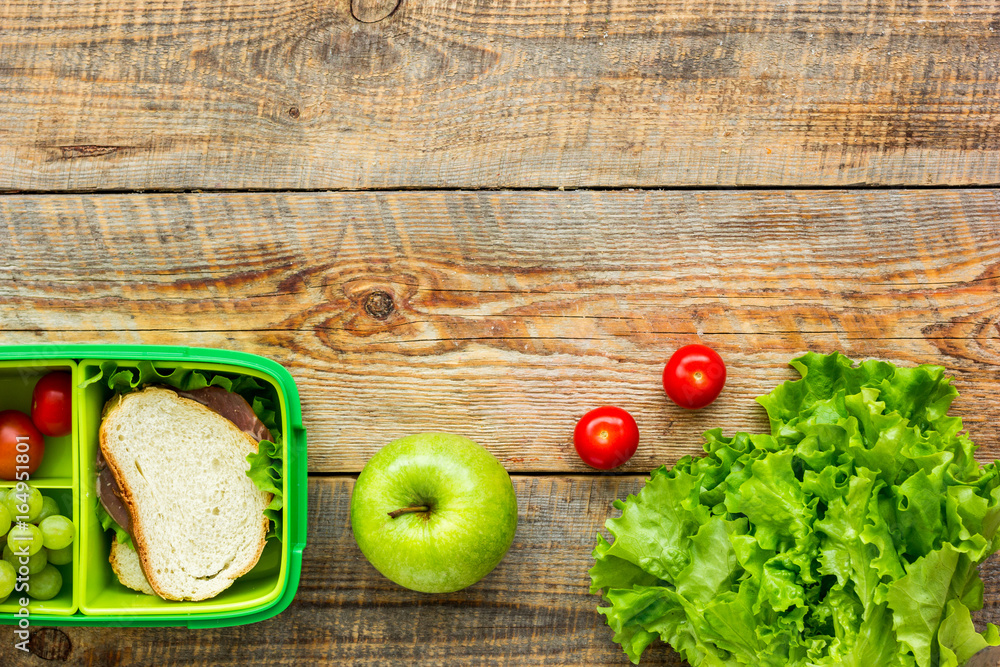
{"type": "Point", "coordinates": [50, 404]}
{"type": "Point", "coordinates": [606, 437]}
{"type": "Point", "coordinates": [19, 438]}
{"type": "Point", "coordinates": [694, 376]}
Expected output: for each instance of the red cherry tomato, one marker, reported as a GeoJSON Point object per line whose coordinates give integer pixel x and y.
{"type": "Point", "coordinates": [606, 437]}
{"type": "Point", "coordinates": [51, 404]}
{"type": "Point", "coordinates": [694, 376]}
{"type": "Point", "coordinates": [19, 437]}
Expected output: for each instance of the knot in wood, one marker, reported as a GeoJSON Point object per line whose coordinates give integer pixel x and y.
{"type": "Point", "coordinates": [379, 304]}
{"type": "Point", "coordinates": [373, 11]}
{"type": "Point", "coordinates": [50, 644]}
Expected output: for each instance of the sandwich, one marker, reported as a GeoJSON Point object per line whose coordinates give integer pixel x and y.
{"type": "Point", "coordinates": [172, 473]}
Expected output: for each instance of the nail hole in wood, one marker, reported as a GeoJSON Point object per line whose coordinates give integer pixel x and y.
{"type": "Point", "coordinates": [373, 11]}
{"type": "Point", "coordinates": [379, 305]}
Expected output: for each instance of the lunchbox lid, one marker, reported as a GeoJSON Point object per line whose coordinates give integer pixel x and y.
{"type": "Point", "coordinates": [295, 473]}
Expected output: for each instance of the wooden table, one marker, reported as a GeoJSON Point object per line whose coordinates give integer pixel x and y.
{"type": "Point", "coordinates": [487, 217]}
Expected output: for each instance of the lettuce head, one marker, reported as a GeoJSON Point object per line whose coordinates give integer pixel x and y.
{"type": "Point", "coordinates": [851, 534]}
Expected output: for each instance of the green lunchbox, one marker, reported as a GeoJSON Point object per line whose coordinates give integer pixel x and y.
{"type": "Point", "coordinates": [91, 593]}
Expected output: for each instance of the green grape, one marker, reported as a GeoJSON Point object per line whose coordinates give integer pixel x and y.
{"type": "Point", "coordinates": [25, 534]}
{"type": "Point", "coordinates": [8, 577]}
{"type": "Point", "coordinates": [4, 519]}
{"type": "Point", "coordinates": [46, 584]}
{"type": "Point", "coordinates": [61, 556]}
{"type": "Point", "coordinates": [36, 501]}
{"type": "Point", "coordinates": [35, 563]}
{"type": "Point", "coordinates": [57, 532]}
{"type": "Point", "coordinates": [29, 499]}
{"type": "Point", "coordinates": [49, 508]}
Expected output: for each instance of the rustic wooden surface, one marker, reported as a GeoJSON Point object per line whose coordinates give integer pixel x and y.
{"type": "Point", "coordinates": [503, 316]}
{"type": "Point", "coordinates": [318, 94]}
{"type": "Point", "coordinates": [427, 301]}
{"type": "Point", "coordinates": [534, 609]}
{"type": "Point", "coordinates": [507, 315]}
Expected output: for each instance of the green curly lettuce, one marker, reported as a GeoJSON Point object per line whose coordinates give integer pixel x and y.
{"type": "Point", "coordinates": [851, 534]}
{"type": "Point", "coordinates": [107, 523]}
{"type": "Point", "coordinates": [266, 466]}
{"type": "Point", "coordinates": [265, 471]}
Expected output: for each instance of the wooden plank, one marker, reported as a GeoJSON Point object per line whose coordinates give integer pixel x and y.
{"type": "Point", "coordinates": [507, 315]}
{"type": "Point", "coordinates": [319, 94]}
{"type": "Point", "coordinates": [986, 658]}
{"type": "Point", "coordinates": [534, 609]}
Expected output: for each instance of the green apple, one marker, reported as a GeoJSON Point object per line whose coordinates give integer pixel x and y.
{"type": "Point", "coordinates": [434, 512]}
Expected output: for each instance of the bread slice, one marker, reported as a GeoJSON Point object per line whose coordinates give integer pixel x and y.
{"type": "Point", "coordinates": [197, 519]}
{"type": "Point", "coordinates": [125, 562]}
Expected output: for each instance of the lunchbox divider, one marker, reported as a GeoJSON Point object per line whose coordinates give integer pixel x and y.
{"type": "Point", "coordinates": [85, 499]}
{"type": "Point", "coordinates": [78, 519]}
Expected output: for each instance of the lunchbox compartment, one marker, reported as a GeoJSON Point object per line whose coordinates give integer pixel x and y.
{"type": "Point", "coordinates": [56, 476]}
{"type": "Point", "coordinates": [101, 593]}
{"type": "Point", "coordinates": [17, 382]}
{"type": "Point", "coordinates": [65, 602]}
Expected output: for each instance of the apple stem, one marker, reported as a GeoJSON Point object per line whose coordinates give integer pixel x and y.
{"type": "Point", "coordinates": [409, 510]}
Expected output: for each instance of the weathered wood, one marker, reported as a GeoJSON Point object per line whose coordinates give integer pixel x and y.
{"type": "Point", "coordinates": [507, 315]}
{"type": "Point", "coordinates": [276, 94]}
{"type": "Point", "coordinates": [986, 658]}
{"type": "Point", "coordinates": [371, 11]}
{"type": "Point", "coordinates": [534, 609]}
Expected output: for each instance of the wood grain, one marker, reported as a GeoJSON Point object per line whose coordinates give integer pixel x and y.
{"type": "Point", "coordinates": [534, 609]}
{"type": "Point", "coordinates": [986, 658]}
{"type": "Point", "coordinates": [301, 94]}
{"type": "Point", "coordinates": [372, 11]}
{"type": "Point", "coordinates": [507, 315]}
